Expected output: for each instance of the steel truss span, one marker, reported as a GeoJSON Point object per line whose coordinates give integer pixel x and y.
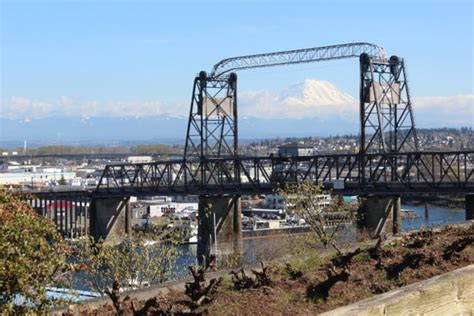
{"type": "Point", "coordinates": [299, 56]}
{"type": "Point", "coordinates": [397, 173]}
{"type": "Point", "coordinates": [349, 173]}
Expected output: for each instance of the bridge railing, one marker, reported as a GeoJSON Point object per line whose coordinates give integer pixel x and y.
{"type": "Point", "coordinates": [430, 170]}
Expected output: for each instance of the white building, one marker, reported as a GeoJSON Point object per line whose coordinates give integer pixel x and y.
{"type": "Point", "coordinates": [258, 173]}
{"type": "Point", "coordinates": [164, 205]}
{"type": "Point", "coordinates": [26, 178]}
{"type": "Point", "coordinates": [139, 159]}
{"type": "Point", "coordinates": [156, 199]}
{"type": "Point", "coordinates": [276, 201]}
{"type": "Point", "coordinates": [295, 150]}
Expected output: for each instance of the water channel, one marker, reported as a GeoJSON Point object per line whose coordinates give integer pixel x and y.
{"type": "Point", "coordinates": [274, 247]}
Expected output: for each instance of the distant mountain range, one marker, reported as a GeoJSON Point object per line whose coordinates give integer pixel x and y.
{"type": "Point", "coordinates": [161, 129]}
{"type": "Point", "coordinates": [309, 108]}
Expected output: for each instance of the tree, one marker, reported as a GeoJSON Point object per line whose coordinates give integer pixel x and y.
{"type": "Point", "coordinates": [136, 263]}
{"type": "Point", "coordinates": [303, 200]}
{"type": "Point", "coordinates": [32, 256]}
{"type": "Point", "coordinates": [62, 181]}
{"type": "Point", "coordinates": [149, 149]}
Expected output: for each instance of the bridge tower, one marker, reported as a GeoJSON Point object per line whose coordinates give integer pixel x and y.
{"type": "Point", "coordinates": [213, 133]}
{"type": "Point", "coordinates": [387, 124]}
{"type": "Point", "coordinates": [212, 125]}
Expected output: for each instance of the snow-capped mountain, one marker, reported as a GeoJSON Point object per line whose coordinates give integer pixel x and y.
{"type": "Point", "coordinates": [309, 108]}
{"type": "Point", "coordinates": [315, 93]}
{"type": "Point", "coordinates": [310, 98]}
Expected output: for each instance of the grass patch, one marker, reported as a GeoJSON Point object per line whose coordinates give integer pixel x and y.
{"type": "Point", "coordinates": [308, 263]}
{"type": "Point", "coordinates": [219, 308]}
{"type": "Point", "coordinates": [229, 261]}
{"type": "Point", "coordinates": [227, 281]}
{"type": "Point", "coordinates": [361, 257]}
{"type": "Point", "coordinates": [291, 292]}
{"type": "Point", "coordinates": [469, 250]}
{"type": "Point", "coordinates": [379, 276]}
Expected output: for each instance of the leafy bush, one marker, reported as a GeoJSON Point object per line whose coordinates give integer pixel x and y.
{"type": "Point", "coordinates": [33, 256]}
{"type": "Point", "coordinates": [135, 263]}
{"type": "Point", "coordinates": [302, 200]}
{"type": "Point", "coordinates": [149, 149]}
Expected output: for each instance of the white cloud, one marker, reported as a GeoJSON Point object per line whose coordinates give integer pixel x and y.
{"type": "Point", "coordinates": [307, 99]}
{"type": "Point", "coordinates": [461, 100]}
{"type": "Point", "coordinates": [457, 110]}
{"type": "Point", "coordinates": [323, 100]}
{"type": "Point", "coordinates": [22, 108]}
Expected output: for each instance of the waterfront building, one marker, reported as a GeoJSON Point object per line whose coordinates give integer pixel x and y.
{"type": "Point", "coordinates": [295, 150]}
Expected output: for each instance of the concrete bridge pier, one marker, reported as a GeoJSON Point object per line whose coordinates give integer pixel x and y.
{"type": "Point", "coordinates": [469, 206]}
{"type": "Point", "coordinates": [380, 215]}
{"type": "Point", "coordinates": [110, 219]}
{"type": "Point", "coordinates": [220, 226]}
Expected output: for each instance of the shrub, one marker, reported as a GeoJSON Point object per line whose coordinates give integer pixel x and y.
{"type": "Point", "coordinates": [33, 256]}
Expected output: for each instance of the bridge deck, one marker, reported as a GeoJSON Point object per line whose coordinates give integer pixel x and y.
{"type": "Point", "coordinates": [430, 172]}
{"type": "Point", "coordinates": [380, 174]}
{"type": "Point", "coordinates": [417, 172]}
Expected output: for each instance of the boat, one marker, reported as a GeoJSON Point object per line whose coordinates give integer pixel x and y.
{"type": "Point", "coordinates": [408, 214]}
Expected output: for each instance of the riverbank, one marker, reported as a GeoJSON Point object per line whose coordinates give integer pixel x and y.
{"type": "Point", "coordinates": [282, 244]}
{"type": "Point", "coordinates": [262, 233]}
{"type": "Point", "coordinates": [451, 202]}
{"type": "Point", "coordinates": [313, 284]}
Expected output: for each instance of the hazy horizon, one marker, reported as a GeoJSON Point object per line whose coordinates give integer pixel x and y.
{"type": "Point", "coordinates": [76, 71]}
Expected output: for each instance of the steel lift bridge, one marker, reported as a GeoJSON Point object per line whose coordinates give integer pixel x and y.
{"type": "Point", "coordinates": [389, 160]}
{"type": "Point", "coordinates": [385, 115]}
{"type": "Point", "coordinates": [389, 157]}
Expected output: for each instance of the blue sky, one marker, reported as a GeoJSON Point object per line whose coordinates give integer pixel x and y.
{"type": "Point", "coordinates": [129, 52]}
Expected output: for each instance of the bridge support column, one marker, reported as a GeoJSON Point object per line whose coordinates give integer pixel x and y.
{"type": "Point", "coordinates": [380, 215]}
{"type": "Point", "coordinates": [469, 206]}
{"type": "Point", "coordinates": [110, 219]}
{"type": "Point", "coordinates": [220, 226]}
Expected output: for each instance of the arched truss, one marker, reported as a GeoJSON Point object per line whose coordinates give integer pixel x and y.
{"type": "Point", "coordinates": [298, 56]}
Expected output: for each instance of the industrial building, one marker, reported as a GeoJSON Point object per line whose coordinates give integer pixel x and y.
{"type": "Point", "coordinates": [295, 150]}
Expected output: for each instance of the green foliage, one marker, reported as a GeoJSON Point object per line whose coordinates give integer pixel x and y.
{"type": "Point", "coordinates": [208, 210]}
{"type": "Point", "coordinates": [153, 149]}
{"type": "Point", "coordinates": [137, 149]}
{"type": "Point", "coordinates": [308, 263]}
{"type": "Point", "coordinates": [62, 181]}
{"type": "Point", "coordinates": [302, 200]}
{"type": "Point", "coordinates": [62, 149]}
{"type": "Point", "coordinates": [33, 256]}
{"type": "Point", "coordinates": [362, 256]}
{"type": "Point", "coordinates": [227, 282]}
{"type": "Point", "coordinates": [286, 298]}
{"type": "Point", "coordinates": [136, 263]}
{"type": "Point", "coordinates": [229, 261]}
{"type": "Point", "coordinates": [469, 250]}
